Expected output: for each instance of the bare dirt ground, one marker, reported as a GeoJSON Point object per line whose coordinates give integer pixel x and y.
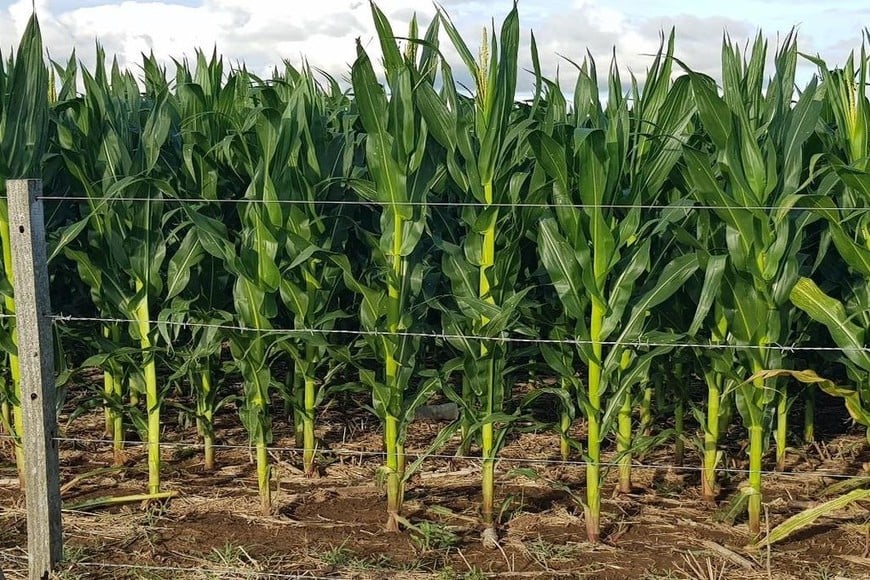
{"type": "Point", "coordinates": [332, 526]}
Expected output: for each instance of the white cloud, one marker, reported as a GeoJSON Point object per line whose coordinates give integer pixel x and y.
{"type": "Point", "coordinates": [259, 32]}
{"type": "Point", "coordinates": [263, 32]}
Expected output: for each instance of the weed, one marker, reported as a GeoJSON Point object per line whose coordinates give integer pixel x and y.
{"type": "Point", "coordinates": [337, 556]}
{"type": "Point", "coordinates": [230, 556]}
{"type": "Point", "coordinates": [545, 552]}
{"type": "Point", "coordinates": [343, 557]}
{"type": "Point", "coordinates": [428, 536]}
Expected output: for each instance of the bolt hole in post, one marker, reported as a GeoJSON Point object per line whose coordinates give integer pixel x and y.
{"type": "Point", "coordinates": [20, 229]}
{"type": "Point", "coordinates": [33, 396]}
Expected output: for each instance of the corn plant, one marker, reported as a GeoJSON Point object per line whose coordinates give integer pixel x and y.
{"type": "Point", "coordinates": [752, 175]}
{"type": "Point", "coordinates": [715, 361]}
{"type": "Point", "coordinates": [596, 244]}
{"type": "Point", "coordinates": [111, 141]}
{"type": "Point", "coordinates": [212, 108]}
{"type": "Point", "coordinates": [255, 292]}
{"type": "Point", "coordinates": [483, 144]}
{"type": "Point", "coordinates": [847, 324]}
{"type": "Point", "coordinates": [311, 162]}
{"type": "Point", "coordinates": [278, 256]}
{"type": "Point", "coordinates": [24, 118]}
{"type": "Point", "coordinates": [842, 199]}
{"type": "Point", "coordinates": [401, 173]}
{"type": "Point", "coordinates": [112, 342]}
{"type": "Point", "coordinates": [257, 145]}
{"type": "Point", "coordinates": [251, 261]}
{"type": "Point", "coordinates": [193, 322]}
{"type": "Point", "coordinates": [720, 373]}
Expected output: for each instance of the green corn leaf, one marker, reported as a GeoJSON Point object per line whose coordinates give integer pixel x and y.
{"type": "Point", "coordinates": [156, 131]}
{"type": "Point", "coordinates": [392, 57]}
{"type": "Point", "coordinates": [623, 286]}
{"type": "Point", "coordinates": [714, 111]}
{"type": "Point", "coordinates": [593, 160]}
{"type": "Point", "coordinates": [830, 312]}
{"type": "Point", "coordinates": [440, 122]}
{"type": "Point", "coordinates": [458, 43]}
{"type": "Point", "coordinates": [702, 178]}
{"type": "Point", "coordinates": [188, 255]}
{"type": "Point", "coordinates": [713, 273]}
{"type": "Point", "coordinates": [672, 277]}
{"type": "Point", "coordinates": [24, 132]}
{"type": "Point", "coordinates": [551, 156]}
{"type": "Point", "coordinates": [563, 267]}
{"type": "Point", "coordinates": [440, 440]}
{"type": "Point", "coordinates": [857, 256]}
{"type": "Point", "coordinates": [68, 234]}
{"type": "Point", "coordinates": [371, 100]}
{"type": "Point", "coordinates": [802, 123]}
{"type": "Point", "coordinates": [746, 310]}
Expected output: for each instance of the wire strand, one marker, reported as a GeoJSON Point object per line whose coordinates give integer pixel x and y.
{"type": "Point", "coordinates": [221, 572]}
{"type": "Point", "coordinates": [64, 319]}
{"type": "Point", "coordinates": [366, 203]}
{"type": "Point", "coordinates": [453, 457]}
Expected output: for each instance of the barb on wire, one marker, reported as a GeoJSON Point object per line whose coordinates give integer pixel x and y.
{"type": "Point", "coordinates": [453, 457]}
{"type": "Point", "coordinates": [64, 319]}
{"type": "Point", "coordinates": [365, 203]}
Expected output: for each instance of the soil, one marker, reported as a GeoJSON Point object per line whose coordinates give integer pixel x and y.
{"type": "Point", "coordinates": [332, 526]}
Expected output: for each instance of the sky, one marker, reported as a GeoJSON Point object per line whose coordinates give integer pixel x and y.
{"type": "Point", "coordinates": [262, 33]}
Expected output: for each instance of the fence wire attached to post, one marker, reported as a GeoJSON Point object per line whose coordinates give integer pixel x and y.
{"type": "Point", "coordinates": [36, 362]}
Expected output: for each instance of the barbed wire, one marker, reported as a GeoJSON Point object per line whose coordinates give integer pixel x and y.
{"type": "Point", "coordinates": [528, 205]}
{"type": "Point", "coordinates": [412, 454]}
{"type": "Point", "coordinates": [221, 572]}
{"type": "Point", "coordinates": [63, 319]}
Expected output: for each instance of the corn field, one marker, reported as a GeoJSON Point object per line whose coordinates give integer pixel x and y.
{"type": "Point", "coordinates": [630, 263]}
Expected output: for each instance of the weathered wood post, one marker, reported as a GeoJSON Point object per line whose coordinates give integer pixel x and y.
{"type": "Point", "coordinates": [36, 360]}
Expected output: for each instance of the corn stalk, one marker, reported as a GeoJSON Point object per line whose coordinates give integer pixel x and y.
{"type": "Point", "coordinates": [400, 175]}
{"type": "Point", "coordinates": [482, 143]}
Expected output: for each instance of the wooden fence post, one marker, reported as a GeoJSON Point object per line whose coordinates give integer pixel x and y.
{"type": "Point", "coordinates": [36, 361]}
